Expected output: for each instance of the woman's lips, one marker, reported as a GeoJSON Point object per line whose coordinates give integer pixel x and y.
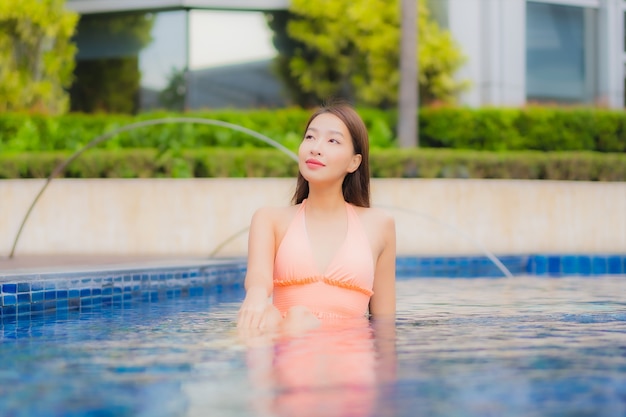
{"type": "Point", "coordinates": [314, 162]}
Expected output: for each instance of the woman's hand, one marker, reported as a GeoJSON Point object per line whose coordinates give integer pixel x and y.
{"type": "Point", "coordinates": [252, 314]}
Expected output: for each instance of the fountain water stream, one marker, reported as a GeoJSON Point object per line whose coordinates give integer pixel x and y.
{"type": "Point", "coordinates": [193, 120]}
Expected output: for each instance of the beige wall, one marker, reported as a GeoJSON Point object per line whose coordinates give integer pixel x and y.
{"type": "Point", "coordinates": [193, 217]}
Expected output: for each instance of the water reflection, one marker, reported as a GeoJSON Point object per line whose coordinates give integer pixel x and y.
{"type": "Point", "coordinates": [339, 369]}
{"type": "Point", "coordinates": [460, 347]}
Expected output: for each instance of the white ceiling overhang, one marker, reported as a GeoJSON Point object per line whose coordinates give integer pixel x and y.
{"type": "Point", "coordinates": [113, 6]}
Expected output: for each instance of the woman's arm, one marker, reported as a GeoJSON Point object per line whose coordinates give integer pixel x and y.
{"type": "Point", "coordinates": [259, 275]}
{"type": "Point", "coordinates": [383, 302]}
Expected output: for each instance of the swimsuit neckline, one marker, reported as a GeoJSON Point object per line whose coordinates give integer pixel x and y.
{"type": "Point", "coordinates": [340, 248]}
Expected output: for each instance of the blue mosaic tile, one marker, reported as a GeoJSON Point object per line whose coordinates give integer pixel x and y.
{"type": "Point", "coordinates": [599, 265]}
{"type": "Point", "coordinates": [554, 265]}
{"type": "Point", "coordinates": [88, 292]}
{"type": "Point", "coordinates": [541, 265]}
{"type": "Point", "coordinates": [569, 265]}
{"type": "Point", "coordinates": [9, 288]}
{"type": "Point", "coordinates": [196, 291]}
{"type": "Point", "coordinates": [615, 265]}
{"type": "Point", "coordinates": [584, 265]}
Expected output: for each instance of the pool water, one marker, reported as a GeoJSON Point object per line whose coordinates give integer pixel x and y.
{"type": "Point", "coordinates": [525, 346]}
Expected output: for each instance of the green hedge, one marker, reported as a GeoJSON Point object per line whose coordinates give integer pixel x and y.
{"type": "Point", "coordinates": [385, 163]}
{"type": "Point", "coordinates": [22, 132]}
{"type": "Point", "coordinates": [542, 129]}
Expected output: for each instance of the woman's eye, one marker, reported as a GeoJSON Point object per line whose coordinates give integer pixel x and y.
{"type": "Point", "coordinates": [308, 137]}
{"type": "Point", "coordinates": [333, 141]}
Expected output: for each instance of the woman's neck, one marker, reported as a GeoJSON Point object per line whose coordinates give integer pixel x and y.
{"type": "Point", "coordinates": [325, 200]}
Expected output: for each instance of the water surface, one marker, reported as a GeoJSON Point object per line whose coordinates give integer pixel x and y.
{"type": "Point", "coordinates": [525, 346]}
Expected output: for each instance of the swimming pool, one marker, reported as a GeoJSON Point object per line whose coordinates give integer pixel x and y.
{"type": "Point", "coordinates": [533, 345]}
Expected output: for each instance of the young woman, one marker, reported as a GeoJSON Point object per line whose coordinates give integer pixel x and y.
{"type": "Point", "coordinates": [328, 256]}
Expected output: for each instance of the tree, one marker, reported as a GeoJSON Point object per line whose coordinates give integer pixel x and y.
{"type": "Point", "coordinates": [287, 46]}
{"type": "Point", "coordinates": [172, 97]}
{"type": "Point", "coordinates": [350, 49]}
{"type": "Point", "coordinates": [108, 79]}
{"type": "Point", "coordinates": [36, 55]}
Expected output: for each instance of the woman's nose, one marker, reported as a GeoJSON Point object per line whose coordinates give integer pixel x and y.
{"type": "Point", "coordinates": [316, 149]}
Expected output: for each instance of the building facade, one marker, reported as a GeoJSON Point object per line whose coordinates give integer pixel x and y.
{"type": "Point", "coordinates": [540, 51]}
{"type": "Point", "coordinates": [137, 55]}
{"type": "Point", "coordinates": [141, 55]}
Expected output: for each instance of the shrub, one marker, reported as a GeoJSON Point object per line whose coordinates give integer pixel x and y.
{"type": "Point", "coordinates": [385, 163]}
{"type": "Point", "coordinates": [541, 129]}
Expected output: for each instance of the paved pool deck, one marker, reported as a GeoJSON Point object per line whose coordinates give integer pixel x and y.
{"type": "Point", "coordinates": [34, 264]}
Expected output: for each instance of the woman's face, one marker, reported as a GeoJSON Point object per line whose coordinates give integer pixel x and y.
{"type": "Point", "coordinates": [327, 152]}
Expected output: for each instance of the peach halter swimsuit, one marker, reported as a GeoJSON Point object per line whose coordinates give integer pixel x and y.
{"type": "Point", "coordinates": [343, 290]}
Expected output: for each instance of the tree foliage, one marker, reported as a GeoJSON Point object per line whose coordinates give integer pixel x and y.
{"type": "Point", "coordinates": [108, 79]}
{"type": "Point", "coordinates": [36, 55]}
{"type": "Point", "coordinates": [173, 96]}
{"type": "Point", "coordinates": [351, 49]}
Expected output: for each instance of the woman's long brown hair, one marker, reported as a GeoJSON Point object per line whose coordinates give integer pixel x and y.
{"type": "Point", "coordinates": [356, 185]}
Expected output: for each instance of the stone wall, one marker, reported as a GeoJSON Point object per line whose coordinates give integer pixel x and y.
{"type": "Point", "coordinates": [196, 217]}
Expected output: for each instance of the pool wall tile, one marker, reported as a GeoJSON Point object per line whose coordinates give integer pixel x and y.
{"type": "Point", "coordinates": [554, 265]}
{"type": "Point", "coordinates": [614, 264]}
{"type": "Point", "coordinates": [22, 295]}
{"type": "Point", "coordinates": [569, 264]}
{"type": "Point", "coordinates": [541, 265]}
{"type": "Point", "coordinates": [598, 265]}
{"type": "Point", "coordinates": [584, 265]}
{"type": "Point", "coordinates": [10, 288]}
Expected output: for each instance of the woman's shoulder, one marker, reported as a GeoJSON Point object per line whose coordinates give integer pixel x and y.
{"type": "Point", "coordinates": [375, 215]}
{"type": "Point", "coordinates": [274, 214]}
{"type": "Point", "coordinates": [379, 225]}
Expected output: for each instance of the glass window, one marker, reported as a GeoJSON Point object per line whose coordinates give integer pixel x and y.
{"type": "Point", "coordinates": [561, 44]}
{"type": "Point", "coordinates": [231, 61]}
{"type": "Point", "coordinates": [130, 62]}
{"type": "Point", "coordinates": [133, 62]}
